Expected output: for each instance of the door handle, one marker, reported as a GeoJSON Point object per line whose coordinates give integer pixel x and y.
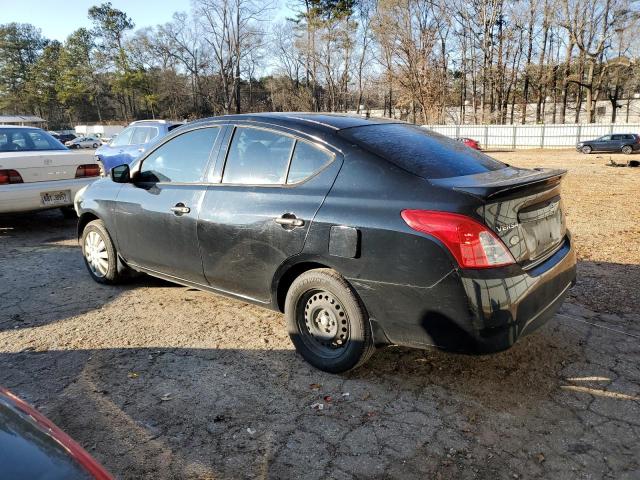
{"type": "Point", "coordinates": [289, 220]}
{"type": "Point", "coordinates": [180, 209]}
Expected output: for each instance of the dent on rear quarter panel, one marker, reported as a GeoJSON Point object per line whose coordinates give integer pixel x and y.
{"type": "Point", "coordinates": [402, 276]}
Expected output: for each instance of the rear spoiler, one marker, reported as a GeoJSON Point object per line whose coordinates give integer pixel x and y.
{"type": "Point", "coordinates": [497, 182]}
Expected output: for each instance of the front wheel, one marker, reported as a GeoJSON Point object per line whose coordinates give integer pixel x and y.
{"type": "Point", "coordinates": [327, 322]}
{"type": "Point", "coordinates": [100, 256]}
{"type": "Point", "coordinates": [627, 149]}
{"type": "Point", "coordinates": [586, 149]}
{"type": "Point", "coordinates": [95, 145]}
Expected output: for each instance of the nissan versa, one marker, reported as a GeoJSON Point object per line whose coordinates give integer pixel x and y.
{"type": "Point", "coordinates": [363, 232]}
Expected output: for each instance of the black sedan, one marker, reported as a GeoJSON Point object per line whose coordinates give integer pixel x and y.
{"type": "Point", "coordinates": [364, 233]}
{"type": "Point", "coordinates": [618, 142]}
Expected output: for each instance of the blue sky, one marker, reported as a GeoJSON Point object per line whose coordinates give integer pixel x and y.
{"type": "Point", "coordinates": [58, 18]}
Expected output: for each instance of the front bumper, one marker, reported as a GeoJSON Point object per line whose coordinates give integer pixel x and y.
{"type": "Point", "coordinates": [25, 197]}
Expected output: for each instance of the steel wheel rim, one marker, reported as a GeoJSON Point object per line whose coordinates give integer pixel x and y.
{"type": "Point", "coordinates": [323, 323]}
{"type": "Point", "coordinates": [96, 254]}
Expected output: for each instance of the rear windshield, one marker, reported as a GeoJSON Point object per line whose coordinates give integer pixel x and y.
{"type": "Point", "coordinates": [27, 140]}
{"type": "Point", "coordinates": [420, 151]}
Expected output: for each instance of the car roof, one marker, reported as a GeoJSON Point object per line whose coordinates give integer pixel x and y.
{"type": "Point", "coordinates": [156, 122]}
{"type": "Point", "coordinates": [20, 126]}
{"type": "Point", "coordinates": [320, 121]}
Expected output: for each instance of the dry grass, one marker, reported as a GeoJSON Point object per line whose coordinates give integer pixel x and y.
{"type": "Point", "coordinates": [603, 213]}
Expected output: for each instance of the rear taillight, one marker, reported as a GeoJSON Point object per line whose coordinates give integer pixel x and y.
{"type": "Point", "coordinates": [9, 176]}
{"type": "Point", "coordinates": [471, 243]}
{"type": "Point", "coordinates": [88, 170]}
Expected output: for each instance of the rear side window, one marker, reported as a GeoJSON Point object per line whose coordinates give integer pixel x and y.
{"type": "Point", "coordinates": [182, 159]}
{"type": "Point", "coordinates": [306, 161]}
{"type": "Point", "coordinates": [123, 138]}
{"type": "Point", "coordinates": [619, 137]}
{"type": "Point", "coordinates": [257, 157]}
{"type": "Point", "coordinates": [420, 151]}
{"type": "Point", "coordinates": [143, 135]}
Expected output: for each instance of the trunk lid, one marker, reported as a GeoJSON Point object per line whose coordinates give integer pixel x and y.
{"type": "Point", "coordinates": [523, 207]}
{"type": "Point", "coordinates": [45, 165]}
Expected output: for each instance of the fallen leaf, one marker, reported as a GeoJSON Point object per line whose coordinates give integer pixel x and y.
{"type": "Point", "coordinates": [315, 386]}
{"type": "Point", "coordinates": [133, 374]}
{"type": "Point", "coordinates": [317, 406]}
{"type": "Point", "coordinates": [327, 398]}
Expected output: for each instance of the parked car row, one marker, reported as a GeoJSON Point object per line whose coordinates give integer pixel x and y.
{"type": "Point", "coordinates": [38, 172]}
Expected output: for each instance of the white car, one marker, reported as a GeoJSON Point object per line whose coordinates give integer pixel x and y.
{"type": "Point", "coordinates": [84, 142]}
{"type": "Point", "coordinates": [37, 172]}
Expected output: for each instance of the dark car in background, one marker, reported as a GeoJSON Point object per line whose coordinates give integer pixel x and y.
{"type": "Point", "coordinates": [617, 142]}
{"type": "Point", "coordinates": [63, 137]}
{"type": "Point", "coordinates": [132, 142]}
{"type": "Point", "coordinates": [364, 233]}
{"type": "Point", "coordinates": [32, 447]}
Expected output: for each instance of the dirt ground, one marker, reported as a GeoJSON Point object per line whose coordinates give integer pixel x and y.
{"type": "Point", "coordinates": [158, 381]}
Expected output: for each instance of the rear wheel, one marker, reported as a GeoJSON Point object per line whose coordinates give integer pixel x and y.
{"type": "Point", "coordinates": [327, 322]}
{"type": "Point", "coordinates": [100, 256]}
{"type": "Point", "coordinates": [586, 149]}
{"type": "Point", "coordinates": [627, 149]}
{"type": "Point", "coordinates": [95, 145]}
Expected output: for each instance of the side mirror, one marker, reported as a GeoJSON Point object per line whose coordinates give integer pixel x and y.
{"type": "Point", "coordinates": [121, 174]}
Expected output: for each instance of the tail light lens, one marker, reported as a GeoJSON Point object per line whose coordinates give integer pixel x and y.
{"type": "Point", "coordinates": [471, 243]}
{"type": "Point", "coordinates": [9, 176]}
{"type": "Point", "coordinates": [88, 170]}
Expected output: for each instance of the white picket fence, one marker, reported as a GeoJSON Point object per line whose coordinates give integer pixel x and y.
{"type": "Point", "coordinates": [533, 136]}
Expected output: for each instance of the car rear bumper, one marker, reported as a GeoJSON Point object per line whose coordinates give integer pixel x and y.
{"type": "Point", "coordinates": [505, 308]}
{"type": "Point", "coordinates": [477, 311]}
{"type": "Point", "coordinates": [25, 197]}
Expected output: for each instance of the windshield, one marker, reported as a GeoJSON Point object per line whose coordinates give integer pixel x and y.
{"type": "Point", "coordinates": [27, 140]}
{"type": "Point", "coordinates": [420, 151]}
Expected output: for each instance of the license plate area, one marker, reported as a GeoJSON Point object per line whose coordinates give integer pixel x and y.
{"type": "Point", "coordinates": [543, 227]}
{"type": "Point", "coordinates": [61, 197]}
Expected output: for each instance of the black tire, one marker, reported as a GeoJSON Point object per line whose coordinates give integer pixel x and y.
{"type": "Point", "coordinates": [627, 149]}
{"type": "Point", "coordinates": [69, 213]}
{"type": "Point", "coordinates": [115, 272]}
{"type": "Point", "coordinates": [327, 322]}
{"type": "Point", "coordinates": [95, 145]}
{"type": "Point", "coordinates": [586, 149]}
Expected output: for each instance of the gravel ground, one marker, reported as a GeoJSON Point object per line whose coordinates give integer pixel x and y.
{"type": "Point", "coordinates": [159, 381]}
